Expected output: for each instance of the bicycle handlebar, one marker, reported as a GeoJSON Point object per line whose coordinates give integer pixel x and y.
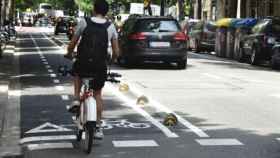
{"type": "Point", "coordinates": [111, 76]}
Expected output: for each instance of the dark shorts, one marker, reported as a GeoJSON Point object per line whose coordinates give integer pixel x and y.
{"type": "Point", "coordinates": [99, 74]}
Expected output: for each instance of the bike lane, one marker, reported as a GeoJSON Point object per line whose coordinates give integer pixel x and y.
{"type": "Point", "coordinates": [46, 125]}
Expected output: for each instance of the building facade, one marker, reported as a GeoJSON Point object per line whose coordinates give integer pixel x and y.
{"type": "Point", "coordinates": [217, 9]}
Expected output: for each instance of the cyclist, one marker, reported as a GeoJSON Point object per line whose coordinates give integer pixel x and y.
{"type": "Point", "coordinates": [100, 9]}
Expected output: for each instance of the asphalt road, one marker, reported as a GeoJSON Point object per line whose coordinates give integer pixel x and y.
{"type": "Point", "coordinates": [225, 108]}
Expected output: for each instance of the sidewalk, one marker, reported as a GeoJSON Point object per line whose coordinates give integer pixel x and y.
{"type": "Point", "coordinates": [9, 105]}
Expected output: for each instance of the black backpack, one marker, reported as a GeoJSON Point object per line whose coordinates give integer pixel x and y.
{"type": "Point", "coordinates": [93, 47]}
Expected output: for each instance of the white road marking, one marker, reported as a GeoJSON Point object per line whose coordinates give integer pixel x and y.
{"type": "Point", "coordinates": [47, 138]}
{"type": "Point", "coordinates": [50, 70]}
{"type": "Point", "coordinates": [275, 95]}
{"type": "Point", "coordinates": [46, 63]}
{"type": "Point", "coordinates": [56, 81]}
{"type": "Point", "coordinates": [60, 47]}
{"type": "Point", "coordinates": [65, 97]}
{"type": "Point", "coordinates": [4, 88]}
{"type": "Point", "coordinates": [212, 76]}
{"type": "Point", "coordinates": [43, 60]}
{"type": "Point", "coordinates": [219, 142]}
{"type": "Point", "coordinates": [44, 146]}
{"type": "Point", "coordinates": [145, 114]}
{"type": "Point", "coordinates": [14, 93]}
{"type": "Point", "coordinates": [67, 107]}
{"type": "Point", "coordinates": [135, 143]}
{"type": "Point", "coordinates": [53, 75]}
{"type": "Point", "coordinates": [60, 88]}
{"type": "Point", "coordinates": [163, 108]}
{"type": "Point", "coordinates": [49, 127]}
{"type": "Point", "coordinates": [42, 57]}
{"type": "Point", "coordinates": [48, 66]}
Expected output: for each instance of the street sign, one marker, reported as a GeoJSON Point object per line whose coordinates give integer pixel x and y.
{"type": "Point", "coordinates": [48, 127]}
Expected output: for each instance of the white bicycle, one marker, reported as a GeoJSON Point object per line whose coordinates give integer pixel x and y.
{"type": "Point", "coordinates": [87, 116]}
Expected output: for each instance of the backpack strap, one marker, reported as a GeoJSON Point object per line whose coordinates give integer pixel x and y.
{"type": "Point", "coordinates": [90, 22]}
{"type": "Point", "coordinates": [107, 24]}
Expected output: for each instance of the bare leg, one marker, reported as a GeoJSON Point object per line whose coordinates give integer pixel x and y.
{"type": "Point", "coordinates": [77, 87]}
{"type": "Point", "coordinates": [99, 104]}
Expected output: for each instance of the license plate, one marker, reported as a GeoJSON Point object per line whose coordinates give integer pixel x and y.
{"type": "Point", "coordinates": [159, 44]}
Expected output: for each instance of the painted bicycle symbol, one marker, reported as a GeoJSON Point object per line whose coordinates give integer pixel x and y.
{"type": "Point", "coordinates": [123, 123]}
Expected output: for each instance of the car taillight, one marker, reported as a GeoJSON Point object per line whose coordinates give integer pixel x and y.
{"type": "Point", "coordinates": [137, 36]}
{"type": "Point", "coordinates": [180, 36]}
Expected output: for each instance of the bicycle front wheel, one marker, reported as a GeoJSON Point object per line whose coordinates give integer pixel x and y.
{"type": "Point", "coordinates": [89, 133]}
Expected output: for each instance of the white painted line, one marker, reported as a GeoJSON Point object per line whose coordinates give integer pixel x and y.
{"type": "Point", "coordinates": [68, 107]}
{"type": "Point", "coordinates": [44, 146]}
{"type": "Point", "coordinates": [53, 75]}
{"type": "Point", "coordinates": [199, 132]}
{"type": "Point", "coordinates": [60, 88]}
{"type": "Point", "coordinates": [44, 60]}
{"type": "Point", "coordinates": [48, 66]}
{"type": "Point", "coordinates": [219, 142]}
{"type": "Point", "coordinates": [47, 138]}
{"type": "Point", "coordinates": [60, 47]}
{"type": "Point", "coordinates": [4, 88]}
{"type": "Point", "coordinates": [135, 143]}
{"type": "Point", "coordinates": [14, 93]}
{"type": "Point", "coordinates": [132, 104]}
{"type": "Point", "coordinates": [65, 97]}
{"type": "Point", "coordinates": [48, 127]}
{"type": "Point", "coordinates": [212, 76]}
{"type": "Point", "coordinates": [46, 63]}
{"type": "Point", "coordinates": [275, 95]}
{"type": "Point", "coordinates": [50, 70]}
{"type": "Point", "coordinates": [56, 81]}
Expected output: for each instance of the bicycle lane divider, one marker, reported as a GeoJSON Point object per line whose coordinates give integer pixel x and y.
{"type": "Point", "coordinates": [153, 103]}
{"type": "Point", "coordinates": [48, 67]}
{"type": "Point", "coordinates": [132, 104]}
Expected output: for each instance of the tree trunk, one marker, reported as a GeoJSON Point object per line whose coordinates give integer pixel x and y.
{"type": "Point", "coordinates": [197, 9]}
{"type": "Point", "coordinates": [221, 7]}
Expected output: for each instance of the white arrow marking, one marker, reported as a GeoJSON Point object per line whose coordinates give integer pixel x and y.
{"type": "Point", "coordinates": [40, 129]}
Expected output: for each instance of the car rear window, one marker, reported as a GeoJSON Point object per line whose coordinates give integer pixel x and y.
{"type": "Point", "coordinates": [155, 25]}
{"type": "Point", "coordinates": [198, 26]}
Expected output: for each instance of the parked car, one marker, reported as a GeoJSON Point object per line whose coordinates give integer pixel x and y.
{"type": "Point", "coordinates": [187, 26]}
{"type": "Point", "coordinates": [275, 57]}
{"type": "Point", "coordinates": [153, 38]}
{"type": "Point", "coordinates": [202, 36]}
{"type": "Point", "coordinates": [61, 26]}
{"type": "Point", "coordinates": [258, 44]}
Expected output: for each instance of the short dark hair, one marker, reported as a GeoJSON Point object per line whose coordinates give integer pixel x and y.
{"type": "Point", "coordinates": [101, 7]}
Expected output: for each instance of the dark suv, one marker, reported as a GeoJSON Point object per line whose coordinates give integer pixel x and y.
{"type": "Point", "coordinates": [153, 38]}
{"type": "Point", "coordinates": [258, 44]}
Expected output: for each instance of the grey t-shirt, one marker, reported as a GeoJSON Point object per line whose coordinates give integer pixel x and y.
{"type": "Point", "coordinates": [82, 24]}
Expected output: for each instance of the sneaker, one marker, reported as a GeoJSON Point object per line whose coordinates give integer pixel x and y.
{"type": "Point", "coordinates": [98, 133]}
{"type": "Point", "coordinates": [74, 106]}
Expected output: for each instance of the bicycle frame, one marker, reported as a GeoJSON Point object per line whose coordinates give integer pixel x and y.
{"type": "Point", "coordinates": [88, 109]}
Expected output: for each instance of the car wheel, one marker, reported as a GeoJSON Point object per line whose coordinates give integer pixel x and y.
{"type": "Point", "coordinates": [274, 64]}
{"type": "Point", "coordinates": [182, 64]}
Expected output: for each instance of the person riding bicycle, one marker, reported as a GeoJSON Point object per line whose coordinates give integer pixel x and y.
{"type": "Point", "coordinates": [93, 35]}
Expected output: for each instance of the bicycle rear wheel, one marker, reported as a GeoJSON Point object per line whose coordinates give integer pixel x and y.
{"type": "Point", "coordinates": [89, 133]}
